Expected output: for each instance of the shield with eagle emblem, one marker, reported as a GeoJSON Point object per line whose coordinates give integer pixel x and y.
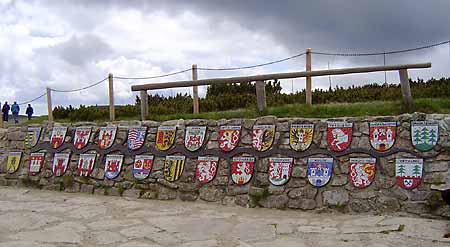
{"type": "Point", "coordinates": [262, 137]}
{"type": "Point", "coordinates": [32, 136]}
{"type": "Point", "coordinates": [58, 136]}
{"type": "Point", "coordinates": [81, 138]}
{"type": "Point", "coordinates": [142, 166]}
{"type": "Point", "coordinates": [165, 137]}
{"type": "Point", "coordinates": [13, 162]}
{"type": "Point", "coordinates": [229, 137]}
{"type": "Point", "coordinates": [60, 163]}
{"type": "Point", "coordinates": [339, 135]}
{"type": "Point", "coordinates": [242, 169]}
{"type": "Point", "coordinates": [36, 163]}
{"type": "Point", "coordinates": [408, 172]}
{"type": "Point", "coordinates": [361, 171]}
{"type": "Point", "coordinates": [195, 136]}
{"type": "Point", "coordinates": [86, 164]}
{"type": "Point", "coordinates": [173, 167]}
{"type": "Point", "coordinates": [136, 137]}
{"type": "Point", "coordinates": [280, 170]}
{"type": "Point", "coordinates": [113, 165]}
{"type": "Point", "coordinates": [382, 135]}
{"type": "Point", "coordinates": [206, 168]}
{"type": "Point", "coordinates": [301, 136]}
{"type": "Point", "coordinates": [106, 137]}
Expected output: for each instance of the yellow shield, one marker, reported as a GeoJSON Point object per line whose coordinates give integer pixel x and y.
{"type": "Point", "coordinates": [173, 167]}
{"type": "Point", "coordinates": [13, 161]}
{"type": "Point", "coordinates": [165, 137]}
{"type": "Point", "coordinates": [262, 137]}
{"type": "Point", "coordinates": [301, 136]}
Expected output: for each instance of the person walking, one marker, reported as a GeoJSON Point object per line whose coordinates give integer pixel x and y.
{"type": "Point", "coordinates": [29, 111]}
{"type": "Point", "coordinates": [15, 111]}
{"type": "Point", "coordinates": [5, 110]}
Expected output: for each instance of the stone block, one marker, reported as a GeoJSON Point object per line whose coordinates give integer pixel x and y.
{"type": "Point", "coordinates": [211, 194]}
{"type": "Point", "coordinates": [131, 193]}
{"type": "Point", "coordinates": [308, 192]}
{"type": "Point", "coordinates": [305, 204]}
{"type": "Point", "coordinates": [188, 196]}
{"type": "Point", "coordinates": [166, 193]}
{"type": "Point", "coordinates": [338, 197]}
{"type": "Point", "coordinates": [149, 194]}
{"type": "Point", "coordinates": [339, 180]}
{"type": "Point", "coordinates": [86, 188]}
{"type": "Point", "coordinates": [274, 201]}
{"type": "Point", "coordinates": [299, 172]}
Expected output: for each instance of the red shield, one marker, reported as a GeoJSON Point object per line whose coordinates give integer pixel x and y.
{"type": "Point", "coordinates": [81, 138]}
{"type": "Point", "coordinates": [206, 168]}
{"type": "Point", "coordinates": [242, 169]}
{"type": "Point", "coordinates": [339, 135]}
{"type": "Point", "coordinates": [60, 163]}
{"type": "Point", "coordinates": [361, 171]}
{"type": "Point", "coordinates": [408, 172]}
{"type": "Point", "coordinates": [36, 162]}
{"type": "Point", "coordinates": [229, 137]}
{"type": "Point", "coordinates": [106, 137]}
{"type": "Point", "coordinates": [58, 135]}
{"type": "Point", "coordinates": [382, 135]}
{"type": "Point", "coordinates": [86, 164]}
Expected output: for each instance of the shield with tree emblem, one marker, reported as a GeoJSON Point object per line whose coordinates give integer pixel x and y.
{"type": "Point", "coordinates": [142, 166]}
{"type": "Point", "coordinates": [195, 136]}
{"type": "Point", "coordinates": [408, 172]}
{"type": "Point", "coordinates": [361, 171]}
{"type": "Point", "coordinates": [165, 137]}
{"type": "Point", "coordinates": [229, 137]}
{"type": "Point", "coordinates": [32, 136]}
{"type": "Point", "coordinates": [60, 163]}
{"type": "Point", "coordinates": [113, 165]}
{"type": "Point", "coordinates": [262, 137]}
{"type": "Point", "coordinates": [36, 162]}
{"type": "Point", "coordinates": [280, 170]}
{"type": "Point", "coordinates": [242, 169]}
{"type": "Point", "coordinates": [13, 162]}
{"type": "Point", "coordinates": [86, 164]}
{"type": "Point", "coordinates": [173, 167]}
{"type": "Point", "coordinates": [81, 138]}
{"type": "Point", "coordinates": [206, 168]}
{"type": "Point", "coordinates": [339, 135]}
{"type": "Point", "coordinates": [58, 136]}
{"type": "Point", "coordinates": [424, 134]}
{"type": "Point", "coordinates": [301, 136]}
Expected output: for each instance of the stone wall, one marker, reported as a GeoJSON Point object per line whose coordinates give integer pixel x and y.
{"type": "Point", "coordinates": [383, 195]}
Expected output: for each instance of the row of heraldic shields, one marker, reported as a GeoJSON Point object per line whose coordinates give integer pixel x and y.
{"type": "Point", "coordinates": [408, 171]}
{"type": "Point", "coordinates": [382, 135]}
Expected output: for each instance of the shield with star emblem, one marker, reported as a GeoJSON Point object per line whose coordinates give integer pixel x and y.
{"type": "Point", "coordinates": [58, 136]}
{"type": "Point", "coordinates": [165, 137]}
{"type": "Point", "coordinates": [301, 136]}
{"type": "Point", "coordinates": [60, 163]}
{"type": "Point", "coordinates": [408, 172]}
{"type": "Point", "coordinates": [262, 137]}
{"type": "Point", "coordinates": [195, 136]}
{"type": "Point", "coordinates": [113, 165]}
{"type": "Point", "coordinates": [13, 162]}
{"type": "Point", "coordinates": [81, 138]}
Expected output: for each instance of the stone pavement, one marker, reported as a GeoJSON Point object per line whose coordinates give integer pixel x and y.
{"type": "Point", "coordinates": [46, 218]}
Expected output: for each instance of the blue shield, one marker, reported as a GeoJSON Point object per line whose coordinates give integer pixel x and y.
{"type": "Point", "coordinates": [136, 137]}
{"type": "Point", "coordinates": [319, 171]}
{"type": "Point", "coordinates": [113, 165]}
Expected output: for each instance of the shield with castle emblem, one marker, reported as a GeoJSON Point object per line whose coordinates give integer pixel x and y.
{"type": "Point", "coordinates": [113, 165]}
{"type": "Point", "coordinates": [206, 168]}
{"type": "Point", "coordinates": [361, 171]}
{"type": "Point", "coordinates": [60, 163]}
{"type": "Point", "coordinates": [229, 137]}
{"type": "Point", "coordinates": [242, 169]}
{"type": "Point", "coordinates": [424, 134]}
{"type": "Point", "coordinates": [173, 167]}
{"type": "Point", "coordinates": [58, 136]}
{"type": "Point", "coordinates": [408, 172]}
{"type": "Point", "coordinates": [319, 171]}
{"type": "Point", "coordinates": [36, 163]}
{"type": "Point", "coordinates": [81, 138]}
{"type": "Point", "coordinates": [86, 164]}
{"type": "Point", "coordinates": [165, 137]}
{"type": "Point", "coordinates": [262, 137]}
{"type": "Point", "coordinates": [142, 166]}
{"type": "Point", "coordinates": [382, 135]}
{"type": "Point", "coordinates": [13, 162]}
{"type": "Point", "coordinates": [301, 136]}
{"type": "Point", "coordinates": [106, 137]}
{"type": "Point", "coordinates": [195, 135]}
{"type": "Point", "coordinates": [280, 170]}
{"type": "Point", "coordinates": [136, 137]}
{"type": "Point", "coordinates": [339, 135]}
{"type": "Point", "coordinates": [32, 136]}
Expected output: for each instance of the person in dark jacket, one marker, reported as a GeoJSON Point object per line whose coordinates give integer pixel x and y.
{"type": "Point", "coordinates": [5, 110]}
{"type": "Point", "coordinates": [29, 111]}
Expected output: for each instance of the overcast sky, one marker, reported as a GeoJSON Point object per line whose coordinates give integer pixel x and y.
{"type": "Point", "coordinates": [71, 44]}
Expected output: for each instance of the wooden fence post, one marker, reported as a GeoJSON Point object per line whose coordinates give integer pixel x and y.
{"type": "Point", "coordinates": [308, 78]}
{"type": "Point", "coordinates": [49, 105]}
{"type": "Point", "coordinates": [112, 113]}
{"type": "Point", "coordinates": [261, 95]}
{"type": "Point", "coordinates": [195, 89]}
{"type": "Point", "coordinates": [144, 105]}
{"type": "Point", "coordinates": [406, 88]}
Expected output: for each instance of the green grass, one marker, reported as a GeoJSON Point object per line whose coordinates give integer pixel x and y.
{"type": "Point", "coordinates": [374, 108]}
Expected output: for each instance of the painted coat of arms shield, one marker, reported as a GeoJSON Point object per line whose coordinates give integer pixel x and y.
{"type": "Point", "coordinates": [262, 137]}
{"type": "Point", "coordinates": [361, 171]}
{"type": "Point", "coordinates": [13, 162]}
{"type": "Point", "coordinates": [165, 137]}
{"type": "Point", "coordinates": [280, 170]}
{"type": "Point", "coordinates": [36, 163]}
{"type": "Point", "coordinates": [32, 136]}
{"type": "Point", "coordinates": [60, 163]}
{"type": "Point", "coordinates": [382, 135]}
{"type": "Point", "coordinates": [106, 137]}
{"type": "Point", "coordinates": [424, 134]}
{"type": "Point", "coordinates": [142, 166]}
{"type": "Point", "coordinates": [173, 167]}
{"type": "Point", "coordinates": [81, 138]}
{"type": "Point", "coordinates": [229, 137]}
{"type": "Point", "coordinates": [242, 169]}
{"type": "Point", "coordinates": [408, 172]}
{"type": "Point", "coordinates": [339, 135]}
{"type": "Point", "coordinates": [301, 136]}
{"type": "Point", "coordinates": [113, 165]}
{"type": "Point", "coordinates": [86, 164]}
{"type": "Point", "coordinates": [206, 168]}
{"type": "Point", "coordinates": [58, 136]}
{"type": "Point", "coordinates": [136, 137]}
{"type": "Point", "coordinates": [319, 171]}
{"type": "Point", "coordinates": [195, 135]}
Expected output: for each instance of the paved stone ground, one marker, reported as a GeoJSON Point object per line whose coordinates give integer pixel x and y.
{"type": "Point", "coordinates": [47, 218]}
